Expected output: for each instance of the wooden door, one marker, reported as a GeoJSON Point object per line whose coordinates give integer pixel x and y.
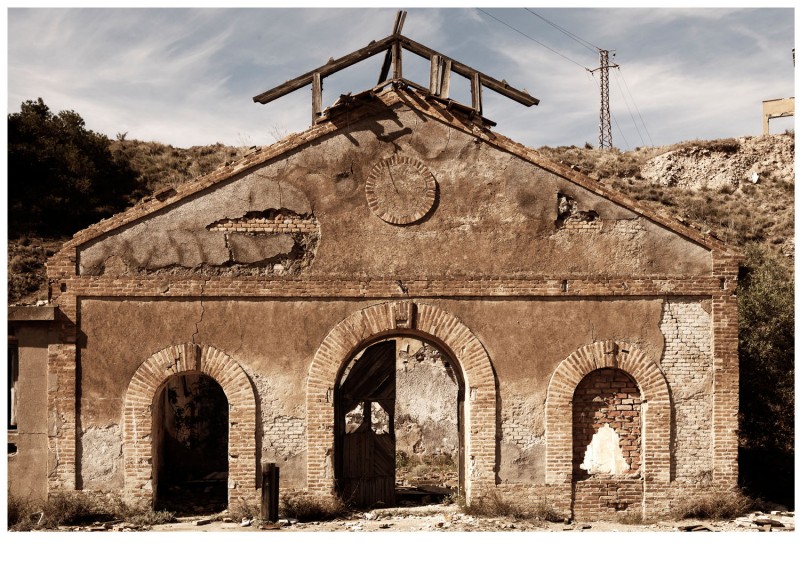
{"type": "Point", "coordinates": [366, 448]}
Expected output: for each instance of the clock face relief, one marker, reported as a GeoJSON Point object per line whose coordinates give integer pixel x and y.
{"type": "Point", "coordinates": [400, 190]}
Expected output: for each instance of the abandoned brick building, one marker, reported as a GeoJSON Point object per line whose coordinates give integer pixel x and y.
{"type": "Point", "coordinates": [326, 301]}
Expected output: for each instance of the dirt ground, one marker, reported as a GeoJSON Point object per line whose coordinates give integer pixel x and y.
{"type": "Point", "coordinates": [449, 518]}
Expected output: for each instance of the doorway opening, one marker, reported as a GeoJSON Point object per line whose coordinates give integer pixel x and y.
{"type": "Point", "coordinates": [399, 413]}
{"type": "Point", "coordinates": [190, 445]}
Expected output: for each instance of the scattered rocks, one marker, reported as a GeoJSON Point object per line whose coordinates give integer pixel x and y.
{"type": "Point", "coordinates": [723, 164]}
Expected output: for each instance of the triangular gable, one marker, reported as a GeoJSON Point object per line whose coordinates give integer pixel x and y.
{"type": "Point", "coordinates": [353, 109]}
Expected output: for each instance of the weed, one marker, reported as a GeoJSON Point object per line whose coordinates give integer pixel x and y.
{"type": "Point", "coordinates": [244, 509]}
{"type": "Point", "coordinates": [495, 504]}
{"type": "Point", "coordinates": [716, 504]}
{"type": "Point", "coordinates": [305, 507]}
{"type": "Point", "coordinates": [79, 509]}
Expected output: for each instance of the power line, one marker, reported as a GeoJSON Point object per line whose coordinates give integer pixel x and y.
{"type": "Point", "coordinates": [621, 91]}
{"type": "Point", "coordinates": [534, 39]}
{"type": "Point", "coordinates": [588, 45]}
{"type": "Point", "coordinates": [636, 107]}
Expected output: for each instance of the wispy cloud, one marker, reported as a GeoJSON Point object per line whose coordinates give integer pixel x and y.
{"type": "Point", "coordinates": [188, 76]}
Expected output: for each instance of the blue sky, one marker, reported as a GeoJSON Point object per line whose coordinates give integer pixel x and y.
{"type": "Point", "coordinates": [187, 76]}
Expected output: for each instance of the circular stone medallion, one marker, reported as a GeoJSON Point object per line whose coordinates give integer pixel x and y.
{"type": "Point", "coordinates": [400, 190]}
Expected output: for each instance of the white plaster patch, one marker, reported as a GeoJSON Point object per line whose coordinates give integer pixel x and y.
{"type": "Point", "coordinates": [604, 454]}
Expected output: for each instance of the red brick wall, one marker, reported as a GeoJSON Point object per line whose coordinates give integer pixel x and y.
{"type": "Point", "coordinates": [606, 396]}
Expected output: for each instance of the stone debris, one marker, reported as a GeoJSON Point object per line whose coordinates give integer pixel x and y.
{"type": "Point", "coordinates": [777, 519]}
{"type": "Point", "coordinates": [247, 522]}
{"type": "Point", "coordinates": [203, 522]}
{"type": "Point", "coordinates": [696, 528]}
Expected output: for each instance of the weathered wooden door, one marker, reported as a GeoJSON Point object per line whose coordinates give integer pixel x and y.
{"type": "Point", "coordinates": [365, 439]}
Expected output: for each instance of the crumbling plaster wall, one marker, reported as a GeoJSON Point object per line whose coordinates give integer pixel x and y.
{"type": "Point", "coordinates": [275, 340]}
{"type": "Point", "coordinates": [426, 406]}
{"type": "Point", "coordinates": [495, 214]}
{"type": "Point", "coordinates": [686, 361]}
{"type": "Point", "coordinates": [28, 465]}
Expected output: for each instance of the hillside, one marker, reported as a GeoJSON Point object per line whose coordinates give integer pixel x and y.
{"type": "Point", "coordinates": [741, 189]}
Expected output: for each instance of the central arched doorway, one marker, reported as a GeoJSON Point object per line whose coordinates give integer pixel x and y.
{"type": "Point", "coordinates": [399, 424]}
{"type": "Point", "coordinates": [190, 445]}
{"type": "Point", "coordinates": [420, 320]}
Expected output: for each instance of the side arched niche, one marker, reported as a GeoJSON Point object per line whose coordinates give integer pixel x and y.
{"type": "Point", "coordinates": [139, 407]}
{"type": "Point", "coordinates": [655, 396]}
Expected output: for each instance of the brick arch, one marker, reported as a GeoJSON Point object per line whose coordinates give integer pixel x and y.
{"type": "Point", "coordinates": [138, 412]}
{"type": "Point", "coordinates": [427, 322]}
{"type": "Point", "coordinates": [656, 429]}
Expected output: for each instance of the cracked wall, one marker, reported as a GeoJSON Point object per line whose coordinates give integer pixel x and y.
{"type": "Point", "coordinates": [275, 340]}
{"type": "Point", "coordinates": [687, 363]}
{"type": "Point", "coordinates": [256, 225]}
{"type": "Point", "coordinates": [494, 214]}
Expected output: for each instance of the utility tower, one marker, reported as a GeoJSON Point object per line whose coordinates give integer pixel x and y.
{"type": "Point", "coordinates": [605, 108]}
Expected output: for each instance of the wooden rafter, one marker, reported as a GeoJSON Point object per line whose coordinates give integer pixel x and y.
{"type": "Point", "coordinates": [441, 68]}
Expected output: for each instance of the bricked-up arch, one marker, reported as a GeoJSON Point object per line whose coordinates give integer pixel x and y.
{"type": "Point", "coordinates": [428, 323]}
{"type": "Point", "coordinates": [139, 406]}
{"type": "Point", "coordinates": [656, 417]}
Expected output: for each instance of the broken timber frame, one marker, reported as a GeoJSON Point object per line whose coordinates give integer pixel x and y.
{"type": "Point", "coordinates": [441, 67]}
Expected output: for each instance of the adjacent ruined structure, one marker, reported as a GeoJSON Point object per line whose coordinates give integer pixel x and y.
{"type": "Point", "coordinates": [397, 278]}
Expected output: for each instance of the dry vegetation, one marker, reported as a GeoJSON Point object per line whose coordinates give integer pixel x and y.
{"type": "Point", "coordinates": [738, 212]}
{"type": "Point", "coordinates": [80, 509]}
{"type": "Point", "coordinates": [496, 504]}
{"type": "Point", "coordinates": [162, 166]}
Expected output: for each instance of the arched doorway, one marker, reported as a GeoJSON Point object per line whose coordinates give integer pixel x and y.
{"type": "Point", "coordinates": [398, 422]}
{"type": "Point", "coordinates": [142, 423]}
{"type": "Point", "coordinates": [432, 324]}
{"type": "Point", "coordinates": [190, 445]}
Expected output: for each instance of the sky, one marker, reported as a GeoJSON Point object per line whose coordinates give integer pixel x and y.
{"type": "Point", "coordinates": [187, 76]}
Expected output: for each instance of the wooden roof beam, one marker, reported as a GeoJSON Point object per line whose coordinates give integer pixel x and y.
{"type": "Point", "coordinates": [393, 43]}
{"type": "Point", "coordinates": [330, 68]}
{"type": "Point", "coordinates": [499, 86]}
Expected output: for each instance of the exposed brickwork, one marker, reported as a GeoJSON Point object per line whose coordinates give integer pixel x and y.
{"type": "Point", "coordinates": [724, 312]}
{"type": "Point", "coordinates": [521, 423]}
{"type": "Point", "coordinates": [285, 436]}
{"type": "Point", "coordinates": [600, 498]}
{"type": "Point", "coordinates": [686, 326]}
{"type": "Point", "coordinates": [426, 322]}
{"type": "Point", "coordinates": [607, 396]}
{"type": "Point", "coordinates": [655, 449]}
{"type": "Point", "coordinates": [230, 286]}
{"type": "Point", "coordinates": [702, 436]}
{"type": "Point", "coordinates": [138, 415]}
{"type": "Point", "coordinates": [279, 224]}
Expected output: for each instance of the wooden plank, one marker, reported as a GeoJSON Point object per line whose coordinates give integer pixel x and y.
{"type": "Point", "coordinates": [477, 100]}
{"type": "Point", "coordinates": [399, 20]}
{"type": "Point", "coordinates": [444, 89]}
{"type": "Point", "coordinates": [397, 61]}
{"type": "Point", "coordinates": [326, 70]}
{"type": "Point", "coordinates": [501, 87]}
{"type": "Point", "coordinates": [316, 98]}
{"type": "Point", "coordinates": [436, 77]}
